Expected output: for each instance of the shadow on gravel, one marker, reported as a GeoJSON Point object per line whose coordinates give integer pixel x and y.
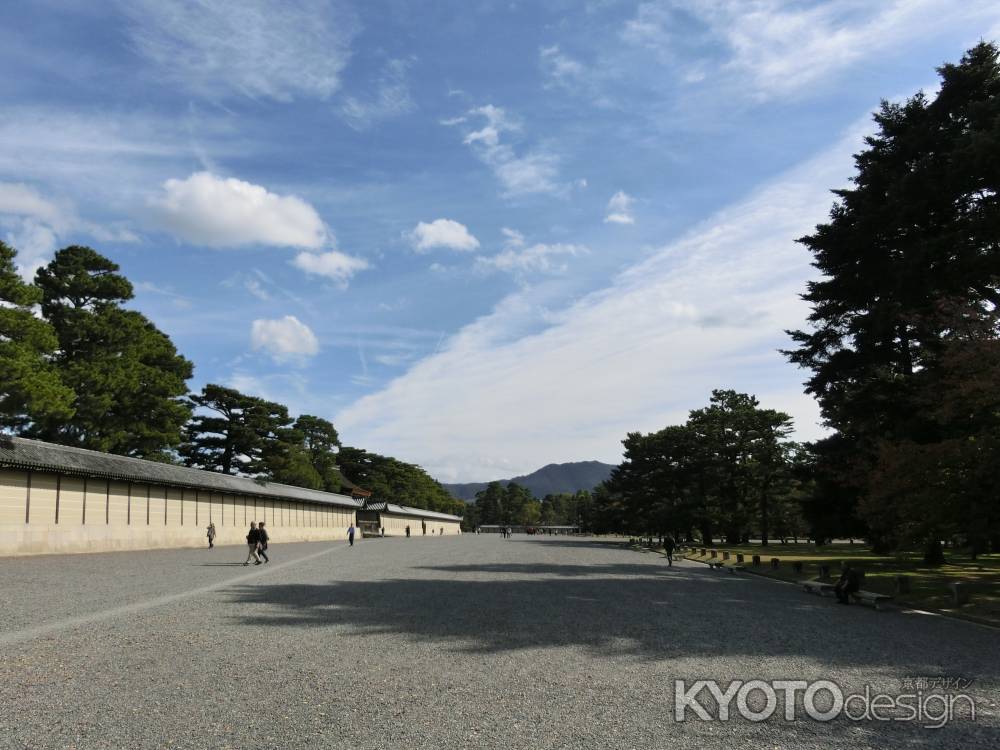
{"type": "Point", "coordinates": [660, 615]}
{"type": "Point", "coordinates": [572, 543]}
{"type": "Point", "coordinates": [559, 570]}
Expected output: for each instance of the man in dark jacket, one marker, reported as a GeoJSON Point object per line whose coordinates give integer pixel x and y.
{"type": "Point", "coordinates": [253, 540]}
{"type": "Point", "coordinates": [262, 545]}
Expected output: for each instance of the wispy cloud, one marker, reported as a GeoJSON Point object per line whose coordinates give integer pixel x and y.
{"type": "Point", "coordinates": [537, 258]}
{"type": "Point", "coordinates": [559, 69]}
{"type": "Point", "coordinates": [525, 173]}
{"type": "Point", "coordinates": [333, 265]}
{"type": "Point", "coordinates": [620, 209]}
{"type": "Point", "coordinates": [780, 47]}
{"type": "Point", "coordinates": [634, 356]}
{"type": "Point", "coordinates": [389, 97]}
{"type": "Point", "coordinates": [274, 49]}
{"type": "Point", "coordinates": [35, 225]}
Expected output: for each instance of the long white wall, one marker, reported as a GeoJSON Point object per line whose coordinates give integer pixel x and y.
{"type": "Point", "coordinates": [395, 525]}
{"type": "Point", "coordinates": [42, 512]}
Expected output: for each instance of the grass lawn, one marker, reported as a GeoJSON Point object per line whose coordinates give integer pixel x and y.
{"type": "Point", "coordinates": [928, 586]}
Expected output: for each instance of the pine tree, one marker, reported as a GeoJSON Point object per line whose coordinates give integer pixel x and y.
{"type": "Point", "coordinates": [30, 388]}
{"type": "Point", "coordinates": [918, 232]}
{"type": "Point", "coordinates": [128, 378]}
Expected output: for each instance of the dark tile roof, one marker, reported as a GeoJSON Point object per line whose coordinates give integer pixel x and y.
{"type": "Point", "coordinates": [404, 510]}
{"type": "Point", "coordinates": [36, 455]}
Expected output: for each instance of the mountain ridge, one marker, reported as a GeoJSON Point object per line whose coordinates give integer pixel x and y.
{"type": "Point", "coordinates": [551, 479]}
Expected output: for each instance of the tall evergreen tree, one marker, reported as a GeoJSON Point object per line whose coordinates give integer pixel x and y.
{"type": "Point", "coordinates": [128, 379]}
{"type": "Point", "coordinates": [918, 230]}
{"type": "Point", "coordinates": [234, 433]}
{"type": "Point", "coordinates": [30, 388]}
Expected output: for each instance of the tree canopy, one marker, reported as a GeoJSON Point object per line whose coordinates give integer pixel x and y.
{"type": "Point", "coordinates": [128, 380]}
{"type": "Point", "coordinates": [30, 386]}
{"type": "Point", "coordinates": [909, 286]}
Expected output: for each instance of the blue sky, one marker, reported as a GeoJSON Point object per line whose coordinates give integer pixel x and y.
{"type": "Point", "coordinates": [479, 236]}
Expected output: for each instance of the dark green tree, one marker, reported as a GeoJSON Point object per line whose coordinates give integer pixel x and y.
{"type": "Point", "coordinates": [128, 379]}
{"type": "Point", "coordinates": [30, 388]}
{"type": "Point", "coordinates": [234, 433]}
{"type": "Point", "coordinates": [396, 481]}
{"type": "Point", "coordinates": [489, 504]}
{"type": "Point", "coordinates": [918, 229]}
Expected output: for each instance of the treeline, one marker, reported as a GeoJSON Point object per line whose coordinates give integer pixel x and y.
{"type": "Point", "coordinates": [78, 368]}
{"type": "Point", "coordinates": [729, 471]}
{"type": "Point", "coordinates": [514, 505]}
{"type": "Point", "coordinates": [904, 354]}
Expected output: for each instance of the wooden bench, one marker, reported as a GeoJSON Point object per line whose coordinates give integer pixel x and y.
{"type": "Point", "coordinates": [818, 587]}
{"type": "Point", "coordinates": [870, 597]}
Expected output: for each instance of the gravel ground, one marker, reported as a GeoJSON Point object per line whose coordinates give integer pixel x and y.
{"type": "Point", "coordinates": [468, 642]}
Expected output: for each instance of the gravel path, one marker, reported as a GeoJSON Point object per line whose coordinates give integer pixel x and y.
{"type": "Point", "coordinates": [437, 643]}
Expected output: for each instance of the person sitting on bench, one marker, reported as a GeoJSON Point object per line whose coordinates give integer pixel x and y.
{"type": "Point", "coordinates": [848, 584]}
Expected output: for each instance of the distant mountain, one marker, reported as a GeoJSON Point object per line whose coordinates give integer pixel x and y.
{"type": "Point", "coordinates": [549, 480]}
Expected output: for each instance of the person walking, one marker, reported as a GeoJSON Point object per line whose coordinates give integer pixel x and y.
{"type": "Point", "coordinates": [211, 535]}
{"type": "Point", "coordinates": [669, 545]}
{"type": "Point", "coordinates": [350, 534]}
{"type": "Point", "coordinates": [262, 539]}
{"type": "Point", "coordinates": [407, 532]}
{"type": "Point", "coordinates": [253, 541]}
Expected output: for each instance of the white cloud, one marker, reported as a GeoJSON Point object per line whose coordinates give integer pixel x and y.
{"type": "Point", "coordinates": [35, 225]}
{"type": "Point", "coordinates": [257, 289]}
{"type": "Point", "coordinates": [284, 339]}
{"type": "Point", "coordinates": [538, 258]}
{"type": "Point", "coordinates": [779, 47]}
{"type": "Point", "coordinates": [390, 98]}
{"type": "Point", "coordinates": [512, 237]}
{"type": "Point", "coordinates": [275, 49]}
{"type": "Point", "coordinates": [334, 265]}
{"type": "Point", "coordinates": [559, 68]}
{"type": "Point", "coordinates": [707, 311]}
{"type": "Point", "coordinates": [528, 173]}
{"type": "Point", "coordinates": [442, 233]}
{"type": "Point", "coordinates": [19, 199]}
{"type": "Point", "coordinates": [206, 209]}
{"type": "Point", "coordinates": [620, 209]}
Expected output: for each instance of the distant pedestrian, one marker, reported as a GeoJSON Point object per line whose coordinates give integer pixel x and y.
{"type": "Point", "coordinates": [253, 542]}
{"type": "Point", "coordinates": [350, 534]}
{"type": "Point", "coordinates": [510, 532]}
{"type": "Point", "coordinates": [669, 545]}
{"type": "Point", "coordinates": [423, 528]}
{"type": "Point", "coordinates": [211, 535]}
{"type": "Point", "coordinates": [381, 532]}
{"type": "Point", "coordinates": [407, 532]}
{"type": "Point", "coordinates": [263, 539]}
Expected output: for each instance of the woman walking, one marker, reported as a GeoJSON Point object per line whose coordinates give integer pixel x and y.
{"type": "Point", "coordinates": [211, 535]}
